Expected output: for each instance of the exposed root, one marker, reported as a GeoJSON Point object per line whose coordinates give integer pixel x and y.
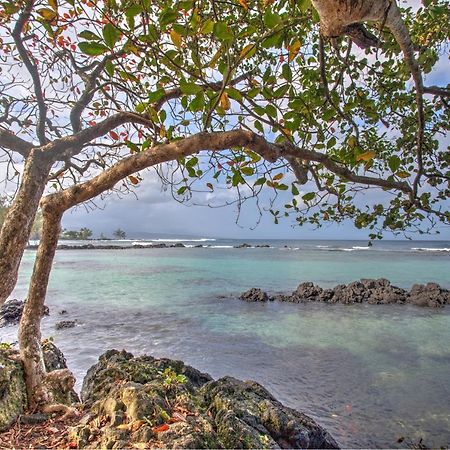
{"type": "Point", "coordinates": [68, 411]}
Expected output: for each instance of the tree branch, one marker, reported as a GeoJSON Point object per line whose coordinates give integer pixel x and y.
{"type": "Point", "coordinates": [69, 146]}
{"type": "Point", "coordinates": [10, 141]}
{"type": "Point", "coordinates": [214, 141]}
{"type": "Point", "coordinates": [436, 90]}
{"type": "Point", "coordinates": [32, 69]}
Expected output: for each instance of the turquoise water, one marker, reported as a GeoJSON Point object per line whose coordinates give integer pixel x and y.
{"type": "Point", "coordinates": [370, 374]}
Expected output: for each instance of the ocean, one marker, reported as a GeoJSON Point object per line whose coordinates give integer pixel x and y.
{"type": "Point", "coordinates": [371, 374]}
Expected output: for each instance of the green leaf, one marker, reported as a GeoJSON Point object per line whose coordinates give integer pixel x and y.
{"type": "Point", "coordinates": [207, 27]}
{"type": "Point", "coordinates": [111, 35]}
{"type": "Point", "coordinates": [309, 196]}
{"type": "Point", "coordinates": [167, 17]}
{"type": "Point", "coordinates": [89, 35]}
{"type": "Point", "coordinates": [394, 163]}
{"type": "Point", "coordinates": [92, 48]}
{"type": "Point", "coordinates": [222, 32]}
{"type": "Point", "coordinates": [248, 171]}
{"type": "Point", "coordinates": [155, 96]}
{"type": "Point", "coordinates": [189, 88]}
{"type": "Point", "coordinates": [192, 162]}
{"type": "Point", "coordinates": [271, 20]}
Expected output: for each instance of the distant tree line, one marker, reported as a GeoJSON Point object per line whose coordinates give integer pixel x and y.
{"type": "Point", "coordinates": [85, 233]}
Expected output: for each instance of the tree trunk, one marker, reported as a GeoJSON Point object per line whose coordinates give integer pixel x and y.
{"type": "Point", "coordinates": [30, 324]}
{"type": "Point", "coordinates": [18, 222]}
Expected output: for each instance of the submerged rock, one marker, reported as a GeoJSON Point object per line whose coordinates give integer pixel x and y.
{"type": "Point", "coordinates": [254, 295]}
{"type": "Point", "coordinates": [165, 403]}
{"type": "Point", "coordinates": [11, 312]}
{"type": "Point", "coordinates": [65, 324]}
{"type": "Point", "coordinates": [379, 291]}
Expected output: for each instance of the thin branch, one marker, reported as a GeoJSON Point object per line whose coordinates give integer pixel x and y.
{"type": "Point", "coordinates": [32, 69]}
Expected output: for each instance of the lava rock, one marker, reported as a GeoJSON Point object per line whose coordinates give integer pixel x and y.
{"type": "Point", "coordinates": [431, 295]}
{"type": "Point", "coordinates": [11, 312]}
{"type": "Point", "coordinates": [254, 295]}
{"type": "Point", "coordinates": [144, 401]}
{"type": "Point", "coordinates": [65, 324]}
{"type": "Point", "coordinates": [13, 397]}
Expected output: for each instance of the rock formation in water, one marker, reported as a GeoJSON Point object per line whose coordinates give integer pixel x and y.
{"type": "Point", "coordinates": [152, 403]}
{"type": "Point", "coordinates": [11, 312]}
{"type": "Point", "coordinates": [379, 291]}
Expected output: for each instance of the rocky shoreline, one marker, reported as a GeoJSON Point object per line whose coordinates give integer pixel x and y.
{"type": "Point", "coordinates": [371, 291]}
{"type": "Point", "coordinates": [141, 246]}
{"type": "Point", "coordinates": [143, 402]}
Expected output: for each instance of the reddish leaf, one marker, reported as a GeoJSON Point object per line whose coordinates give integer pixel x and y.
{"type": "Point", "coordinates": [161, 428]}
{"type": "Point", "coordinates": [114, 135]}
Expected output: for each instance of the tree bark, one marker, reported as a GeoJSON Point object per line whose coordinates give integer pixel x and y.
{"type": "Point", "coordinates": [18, 222]}
{"type": "Point", "coordinates": [30, 324]}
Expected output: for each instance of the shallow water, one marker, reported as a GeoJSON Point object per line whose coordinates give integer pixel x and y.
{"type": "Point", "coordinates": [370, 374]}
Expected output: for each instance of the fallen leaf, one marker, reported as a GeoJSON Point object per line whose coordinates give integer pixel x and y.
{"type": "Point", "coordinates": [161, 428]}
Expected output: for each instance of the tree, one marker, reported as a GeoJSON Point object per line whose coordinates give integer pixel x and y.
{"type": "Point", "coordinates": [225, 95]}
{"type": "Point", "coordinates": [119, 234]}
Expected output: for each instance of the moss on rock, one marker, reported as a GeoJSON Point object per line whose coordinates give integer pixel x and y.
{"type": "Point", "coordinates": [13, 398]}
{"type": "Point", "coordinates": [165, 403]}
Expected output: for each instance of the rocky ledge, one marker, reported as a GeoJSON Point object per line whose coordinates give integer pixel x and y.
{"type": "Point", "coordinates": [379, 291]}
{"type": "Point", "coordinates": [143, 402]}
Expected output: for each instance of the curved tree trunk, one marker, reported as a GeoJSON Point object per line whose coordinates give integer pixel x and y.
{"type": "Point", "coordinates": [18, 222]}
{"type": "Point", "coordinates": [30, 324]}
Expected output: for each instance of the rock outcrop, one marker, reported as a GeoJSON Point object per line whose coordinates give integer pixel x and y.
{"type": "Point", "coordinates": [146, 402]}
{"type": "Point", "coordinates": [11, 312]}
{"type": "Point", "coordinates": [254, 295]}
{"type": "Point", "coordinates": [65, 324]}
{"type": "Point", "coordinates": [378, 292]}
{"type": "Point", "coordinates": [13, 398]}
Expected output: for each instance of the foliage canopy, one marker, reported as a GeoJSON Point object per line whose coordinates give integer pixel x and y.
{"type": "Point", "coordinates": [177, 68]}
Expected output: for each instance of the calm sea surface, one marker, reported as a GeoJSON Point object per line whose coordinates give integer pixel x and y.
{"type": "Point", "coordinates": [370, 374]}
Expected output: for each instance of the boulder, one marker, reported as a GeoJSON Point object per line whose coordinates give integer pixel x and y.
{"type": "Point", "coordinates": [65, 324]}
{"type": "Point", "coordinates": [307, 292]}
{"type": "Point", "coordinates": [246, 415]}
{"type": "Point", "coordinates": [431, 295]}
{"type": "Point", "coordinates": [13, 398]}
{"type": "Point", "coordinates": [11, 312]}
{"type": "Point", "coordinates": [153, 403]}
{"type": "Point", "coordinates": [54, 358]}
{"type": "Point", "coordinates": [254, 295]}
